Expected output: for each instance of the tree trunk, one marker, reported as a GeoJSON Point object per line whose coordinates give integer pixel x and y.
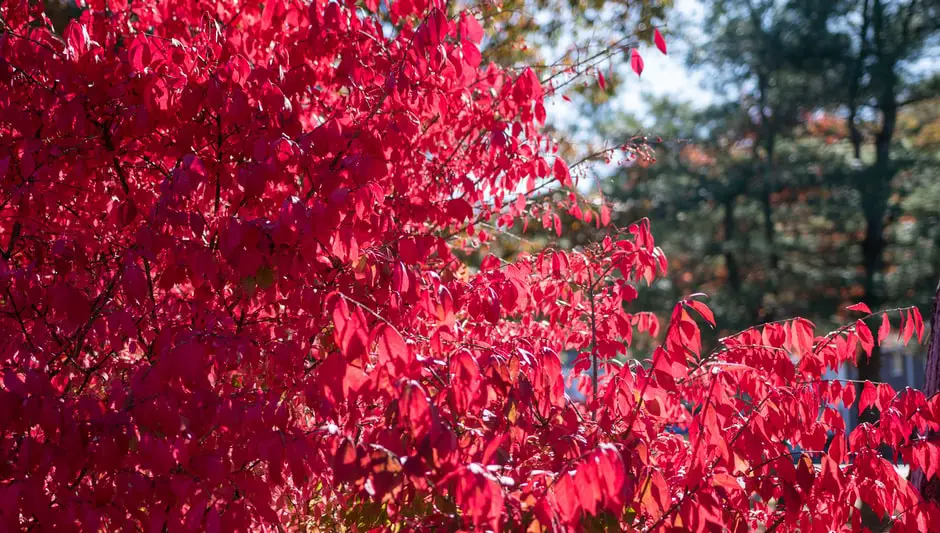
{"type": "Point", "coordinates": [734, 275]}
{"type": "Point", "coordinates": [930, 488]}
{"type": "Point", "coordinates": [769, 132]}
{"type": "Point", "coordinates": [876, 184]}
{"type": "Point", "coordinates": [875, 190]}
{"type": "Point", "coordinates": [869, 369]}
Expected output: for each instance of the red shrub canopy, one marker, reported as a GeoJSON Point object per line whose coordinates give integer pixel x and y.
{"type": "Point", "coordinates": [229, 300]}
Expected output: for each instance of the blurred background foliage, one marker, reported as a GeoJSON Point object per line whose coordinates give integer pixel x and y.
{"type": "Point", "coordinates": [814, 184]}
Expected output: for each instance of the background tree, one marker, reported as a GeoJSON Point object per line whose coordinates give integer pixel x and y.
{"type": "Point", "coordinates": [786, 184]}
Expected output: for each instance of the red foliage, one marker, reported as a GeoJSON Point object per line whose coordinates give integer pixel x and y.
{"type": "Point", "coordinates": [229, 301]}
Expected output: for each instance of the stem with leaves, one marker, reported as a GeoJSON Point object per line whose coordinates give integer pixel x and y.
{"type": "Point", "coordinates": [594, 377]}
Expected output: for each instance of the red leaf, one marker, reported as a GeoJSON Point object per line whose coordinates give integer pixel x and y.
{"type": "Point", "coordinates": [466, 377]}
{"type": "Point", "coordinates": [918, 323]}
{"type": "Point", "coordinates": [391, 347]}
{"type": "Point", "coordinates": [611, 474]}
{"type": "Point", "coordinates": [135, 284]}
{"type": "Point", "coordinates": [416, 409]}
{"type": "Point", "coordinates": [567, 498]}
{"type": "Point", "coordinates": [139, 54]}
{"type": "Point", "coordinates": [346, 466]}
{"type": "Point", "coordinates": [77, 38]}
{"type": "Point", "coordinates": [459, 209]}
{"type": "Point", "coordinates": [919, 456]}
{"type": "Point", "coordinates": [864, 337]}
{"type": "Point", "coordinates": [660, 42]}
{"type": "Point", "coordinates": [348, 332]}
{"type": "Point", "coordinates": [470, 28]}
{"type": "Point", "coordinates": [884, 330]}
{"type": "Point", "coordinates": [886, 395]}
{"type": "Point", "coordinates": [479, 496]}
{"type": "Point", "coordinates": [213, 521]}
{"type": "Point", "coordinates": [805, 473]}
{"type": "Point", "coordinates": [907, 326]}
{"type": "Point", "coordinates": [837, 448]}
{"type": "Point", "coordinates": [830, 478]}
{"type": "Point", "coordinates": [801, 331]}
{"type": "Point", "coordinates": [71, 303]}
{"type": "Point", "coordinates": [655, 498]}
{"type": "Point", "coordinates": [725, 481]}
{"type": "Point", "coordinates": [848, 394]}
{"type": "Point", "coordinates": [520, 204]}
{"type": "Point", "coordinates": [933, 459]}
{"type": "Point", "coordinates": [636, 62]}
{"type": "Point", "coordinates": [127, 212]}
{"type": "Point", "coordinates": [491, 448]}
{"type": "Point", "coordinates": [561, 172]}
{"type": "Point", "coordinates": [703, 310]}
{"type": "Point", "coordinates": [601, 82]}
{"type": "Point", "coordinates": [267, 15]}
{"type": "Point", "coordinates": [589, 487]}
{"type": "Point", "coordinates": [861, 307]}
{"type": "Point", "coordinates": [471, 54]}
{"type": "Point", "coordinates": [868, 398]}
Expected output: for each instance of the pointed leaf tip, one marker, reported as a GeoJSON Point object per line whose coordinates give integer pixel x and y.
{"type": "Point", "coordinates": [884, 330]}
{"type": "Point", "coordinates": [861, 307]}
{"type": "Point", "coordinates": [636, 62]}
{"type": "Point", "coordinates": [864, 337]}
{"type": "Point", "coordinates": [703, 310]}
{"type": "Point", "coordinates": [562, 172]}
{"type": "Point", "coordinates": [660, 42]}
